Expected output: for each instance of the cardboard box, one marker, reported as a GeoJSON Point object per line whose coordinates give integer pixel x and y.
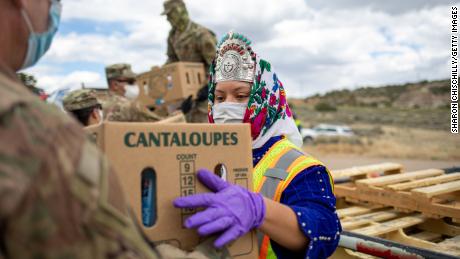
{"type": "Point", "coordinates": [171, 83]}
{"type": "Point", "coordinates": [169, 155]}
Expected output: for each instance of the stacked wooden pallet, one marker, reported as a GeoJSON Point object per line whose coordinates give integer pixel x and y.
{"type": "Point", "coordinates": [430, 192]}
{"type": "Point", "coordinates": [420, 208]}
{"type": "Point", "coordinates": [406, 228]}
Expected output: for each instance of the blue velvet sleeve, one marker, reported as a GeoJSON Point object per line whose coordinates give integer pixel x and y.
{"type": "Point", "coordinates": [311, 197]}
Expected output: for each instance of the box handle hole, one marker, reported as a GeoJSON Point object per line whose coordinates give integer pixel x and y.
{"type": "Point", "coordinates": [221, 171]}
{"type": "Point", "coordinates": [149, 197]}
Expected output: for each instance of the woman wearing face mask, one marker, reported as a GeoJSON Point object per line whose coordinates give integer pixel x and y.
{"type": "Point", "coordinates": [293, 207]}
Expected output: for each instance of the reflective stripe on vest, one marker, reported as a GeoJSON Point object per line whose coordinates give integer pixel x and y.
{"type": "Point", "coordinates": [278, 173]}
{"type": "Point", "coordinates": [273, 174]}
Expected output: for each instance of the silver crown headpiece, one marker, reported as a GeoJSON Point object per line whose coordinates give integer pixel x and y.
{"type": "Point", "coordinates": [235, 59]}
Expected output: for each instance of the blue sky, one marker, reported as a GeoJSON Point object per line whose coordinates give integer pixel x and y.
{"type": "Point", "coordinates": [85, 26]}
{"type": "Point", "coordinates": [315, 46]}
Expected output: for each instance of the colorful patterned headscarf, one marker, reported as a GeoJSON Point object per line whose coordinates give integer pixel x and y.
{"type": "Point", "coordinates": [268, 111]}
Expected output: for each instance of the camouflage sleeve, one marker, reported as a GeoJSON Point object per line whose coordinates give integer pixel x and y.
{"type": "Point", "coordinates": [117, 108]}
{"type": "Point", "coordinates": [131, 112]}
{"type": "Point", "coordinates": [172, 57]}
{"type": "Point", "coordinates": [59, 198]}
{"type": "Point", "coordinates": [143, 114]}
{"type": "Point", "coordinates": [208, 43]}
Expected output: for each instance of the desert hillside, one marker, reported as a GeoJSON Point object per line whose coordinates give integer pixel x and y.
{"type": "Point", "coordinates": [398, 121]}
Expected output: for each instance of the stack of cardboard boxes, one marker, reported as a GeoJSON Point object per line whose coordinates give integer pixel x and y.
{"type": "Point", "coordinates": [169, 85]}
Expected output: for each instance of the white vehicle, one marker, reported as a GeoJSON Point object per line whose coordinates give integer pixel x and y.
{"type": "Point", "coordinates": [326, 130]}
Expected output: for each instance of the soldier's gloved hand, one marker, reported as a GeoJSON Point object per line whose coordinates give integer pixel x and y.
{"type": "Point", "coordinates": [202, 94]}
{"type": "Point", "coordinates": [231, 210]}
{"type": "Point", "coordinates": [187, 105]}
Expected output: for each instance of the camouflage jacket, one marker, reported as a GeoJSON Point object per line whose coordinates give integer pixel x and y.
{"type": "Point", "coordinates": [59, 198]}
{"type": "Point", "coordinates": [195, 44]}
{"type": "Point", "coordinates": [118, 108]}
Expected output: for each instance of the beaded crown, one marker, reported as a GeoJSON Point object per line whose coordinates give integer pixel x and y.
{"type": "Point", "coordinates": [235, 59]}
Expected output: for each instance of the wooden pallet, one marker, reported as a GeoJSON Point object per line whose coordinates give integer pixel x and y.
{"type": "Point", "coordinates": [363, 171]}
{"type": "Point", "coordinates": [430, 192]}
{"type": "Point", "coordinates": [411, 229]}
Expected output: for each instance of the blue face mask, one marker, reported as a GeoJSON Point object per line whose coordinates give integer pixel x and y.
{"type": "Point", "coordinates": [39, 43]}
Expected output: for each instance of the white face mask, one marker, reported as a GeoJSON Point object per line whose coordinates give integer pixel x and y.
{"type": "Point", "coordinates": [229, 112]}
{"type": "Point", "coordinates": [131, 91]}
{"type": "Point", "coordinates": [101, 116]}
{"type": "Point", "coordinates": [39, 43]}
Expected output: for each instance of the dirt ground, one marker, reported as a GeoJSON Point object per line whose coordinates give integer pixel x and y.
{"type": "Point", "coordinates": [389, 143]}
{"type": "Point", "coordinates": [418, 136]}
{"type": "Point", "coordinates": [341, 161]}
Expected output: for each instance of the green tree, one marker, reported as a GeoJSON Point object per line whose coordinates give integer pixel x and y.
{"type": "Point", "coordinates": [27, 79]}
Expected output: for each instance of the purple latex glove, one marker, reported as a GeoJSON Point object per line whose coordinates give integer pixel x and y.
{"type": "Point", "coordinates": [231, 209]}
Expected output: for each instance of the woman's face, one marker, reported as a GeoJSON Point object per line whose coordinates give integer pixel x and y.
{"type": "Point", "coordinates": [232, 91]}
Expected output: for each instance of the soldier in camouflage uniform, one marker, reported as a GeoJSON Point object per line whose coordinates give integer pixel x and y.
{"type": "Point", "coordinates": [116, 106]}
{"type": "Point", "coordinates": [189, 42]}
{"type": "Point", "coordinates": [84, 106]}
{"type": "Point", "coordinates": [59, 198]}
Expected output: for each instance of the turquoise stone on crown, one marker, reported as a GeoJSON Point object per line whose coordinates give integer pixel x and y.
{"type": "Point", "coordinates": [233, 35]}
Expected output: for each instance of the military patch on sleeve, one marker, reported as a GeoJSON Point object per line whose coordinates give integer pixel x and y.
{"type": "Point", "coordinates": [89, 166]}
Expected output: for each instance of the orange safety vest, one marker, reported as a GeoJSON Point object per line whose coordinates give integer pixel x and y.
{"type": "Point", "coordinates": [272, 175]}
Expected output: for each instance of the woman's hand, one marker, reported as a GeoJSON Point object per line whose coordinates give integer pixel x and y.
{"type": "Point", "coordinates": [231, 209]}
